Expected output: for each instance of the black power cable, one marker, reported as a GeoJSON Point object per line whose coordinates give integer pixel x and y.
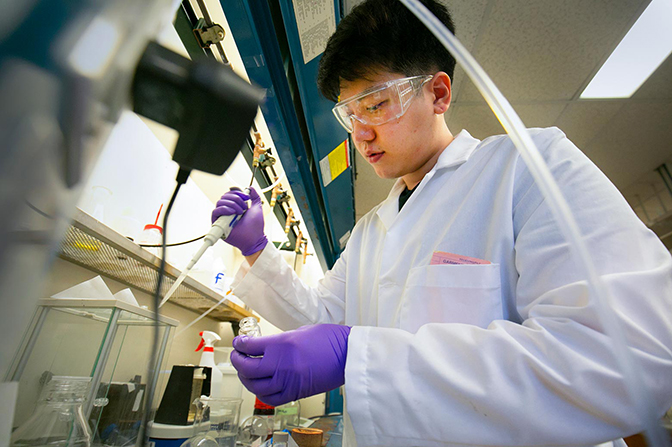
{"type": "Point", "coordinates": [182, 177]}
{"type": "Point", "coordinates": [175, 244]}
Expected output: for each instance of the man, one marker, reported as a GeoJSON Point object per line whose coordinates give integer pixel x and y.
{"type": "Point", "coordinates": [456, 315]}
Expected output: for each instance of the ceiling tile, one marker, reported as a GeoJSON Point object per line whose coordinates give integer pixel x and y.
{"type": "Point", "coordinates": [468, 16]}
{"type": "Point", "coordinates": [478, 120]}
{"type": "Point", "coordinates": [481, 123]}
{"type": "Point", "coordinates": [539, 114]}
{"type": "Point", "coordinates": [545, 49]}
{"type": "Point", "coordinates": [582, 121]}
{"type": "Point", "coordinates": [635, 142]}
{"type": "Point", "coordinates": [646, 187]}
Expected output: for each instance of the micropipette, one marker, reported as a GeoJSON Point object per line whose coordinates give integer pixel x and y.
{"type": "Point", "coordinates": [220, 230]}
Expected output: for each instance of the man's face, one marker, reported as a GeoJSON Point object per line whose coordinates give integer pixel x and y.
{"type": "Point", "coordinates": [398, 148]}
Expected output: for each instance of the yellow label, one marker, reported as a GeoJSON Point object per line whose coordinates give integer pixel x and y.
{"type": "Point", "coordinates": [335, 163]}
{"type": "Point", "coordinates": [338, 160]}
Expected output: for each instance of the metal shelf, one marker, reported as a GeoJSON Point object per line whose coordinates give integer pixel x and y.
{"type": "Point", "coordinates": [96, 247]}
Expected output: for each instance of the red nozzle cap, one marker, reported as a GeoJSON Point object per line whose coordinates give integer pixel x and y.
{"type": "Point", "coordinates": [154, 227]}
{"type": "Point", "coordinates": [202, 342]}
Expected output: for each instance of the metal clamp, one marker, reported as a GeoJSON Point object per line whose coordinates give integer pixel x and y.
{"type": "Point", "coordinates": [266, 161]}
{"type": "Point", "coordinates": [208, 35]}
{"type": "Point", "coordinates": [283, 197]}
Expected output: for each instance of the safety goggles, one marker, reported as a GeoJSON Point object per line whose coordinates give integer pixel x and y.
{"type": "Point", "coordinates": [379, 104]}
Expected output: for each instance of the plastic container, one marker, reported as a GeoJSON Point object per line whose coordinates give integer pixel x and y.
{"type": "Point", "coordinates": [220, 282]}
{"type": "Point", "coordinates": [202, 271]}
{"type": "Point", "coordinates": [151, 235]}
{"type": "Point", "coordinates": [58, 420]}
{"type": "Point", "coordinates": [208, 340]}
{"type": "Point", "coordinates": [231, 385]}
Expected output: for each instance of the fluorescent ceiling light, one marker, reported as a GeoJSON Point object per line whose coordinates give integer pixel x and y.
{"type": "Point", "coordinates": [642, 50]}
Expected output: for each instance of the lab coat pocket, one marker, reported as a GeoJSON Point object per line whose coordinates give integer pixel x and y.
{"type": "Point", "coordinates": [469, 294]}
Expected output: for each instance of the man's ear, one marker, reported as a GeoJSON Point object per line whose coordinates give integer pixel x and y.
{"type": "Point", "coordinates": [442, 89]}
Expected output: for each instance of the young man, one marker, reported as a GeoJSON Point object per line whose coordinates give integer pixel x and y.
{"type": "Point", "coordinates": [456, 315]}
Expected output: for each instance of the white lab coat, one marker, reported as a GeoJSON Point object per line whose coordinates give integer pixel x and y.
{"type": "Point", "coordinates": [508, 353]}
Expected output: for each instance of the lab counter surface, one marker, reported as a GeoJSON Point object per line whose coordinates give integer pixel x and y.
{"type": "Point", "coordinates": [332, 428]}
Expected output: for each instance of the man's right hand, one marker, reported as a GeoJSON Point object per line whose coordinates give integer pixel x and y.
{"type": "Point", "coordinates": [248, 232]}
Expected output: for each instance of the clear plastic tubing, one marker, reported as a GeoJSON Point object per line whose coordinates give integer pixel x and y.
{"type": "Point", "coordinates": [561, 211]}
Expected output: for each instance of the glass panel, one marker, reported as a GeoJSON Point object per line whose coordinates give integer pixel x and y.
{"type": "Point", "coordinates": [122, 389]}
{"type": "Point", "coordinates": [70, 344]}
{"type": "Point", "coordinates": [67, 345]}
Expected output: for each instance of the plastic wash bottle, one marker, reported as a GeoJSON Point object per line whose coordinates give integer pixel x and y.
{"type": "Point", "coordinates": [208, 340]}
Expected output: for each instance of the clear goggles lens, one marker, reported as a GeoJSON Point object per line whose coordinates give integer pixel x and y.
{"type": "Point", "coordinates": [379, 104]}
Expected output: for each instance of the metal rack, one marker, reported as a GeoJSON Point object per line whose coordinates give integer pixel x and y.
{"type": "Point", "coordinates": [96, 247]}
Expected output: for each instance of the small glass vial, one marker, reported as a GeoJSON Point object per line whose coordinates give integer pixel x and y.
{"type": "Point", "coordinates": [249, 326]}
{"type": "Point", "coordinates": [58, 420]}
{"type": "Point", "coordinates": [280, 438]}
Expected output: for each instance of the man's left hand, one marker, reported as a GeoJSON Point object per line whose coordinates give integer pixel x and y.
{"type": "Point", "coordinates": [286, 367]}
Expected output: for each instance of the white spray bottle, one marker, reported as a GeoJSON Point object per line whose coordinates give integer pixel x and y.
{"type": "Point", "coordinates": [208, 340]}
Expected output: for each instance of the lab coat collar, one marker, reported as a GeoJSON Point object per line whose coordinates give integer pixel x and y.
{"type": "Point", "coordinates": [456, 153]}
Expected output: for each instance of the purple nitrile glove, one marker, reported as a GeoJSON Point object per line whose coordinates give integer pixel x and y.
{"type": "Point", "coordinates": [294, 364]}
{"type": "Point", "coordinates": [248, 232]}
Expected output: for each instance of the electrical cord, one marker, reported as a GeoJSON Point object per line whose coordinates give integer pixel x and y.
{"type": "Point", "coordinates": [174, 244]}
{"type": "Point", "coordinates": [182, 177]}
{"type": "Point", "coordinates": [38, 211]}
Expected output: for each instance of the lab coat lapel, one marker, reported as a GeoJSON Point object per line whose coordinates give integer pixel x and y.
{"type": "Point", "coordinates": [389, 208]}
{"type": "Point", "coordinates": [457, 152]}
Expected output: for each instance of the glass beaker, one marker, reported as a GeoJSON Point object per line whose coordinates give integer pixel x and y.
{"type": "Point", "coordinates": [288, 416]}
{"type": "Point", "coordinates": [58, 420]}
{"type": "Point", "coordinates": [201, 436]}
{"type": "Point", "coordinates": [256, 428]}
{"type": "Point", "coordinates": [100, 195]}
{"type": "Point", "coordinates": [223, 414]}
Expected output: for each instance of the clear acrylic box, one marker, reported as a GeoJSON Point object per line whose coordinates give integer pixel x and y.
{"type": "Point", "coordinates": [105, 339]}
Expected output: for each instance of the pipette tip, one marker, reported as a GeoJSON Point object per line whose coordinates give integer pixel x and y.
{"type": "Point", "coordinates": [173, 288]}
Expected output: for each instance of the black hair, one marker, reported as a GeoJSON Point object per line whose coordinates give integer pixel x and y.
{"type": "Point", "coordinates": [383, 35]}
